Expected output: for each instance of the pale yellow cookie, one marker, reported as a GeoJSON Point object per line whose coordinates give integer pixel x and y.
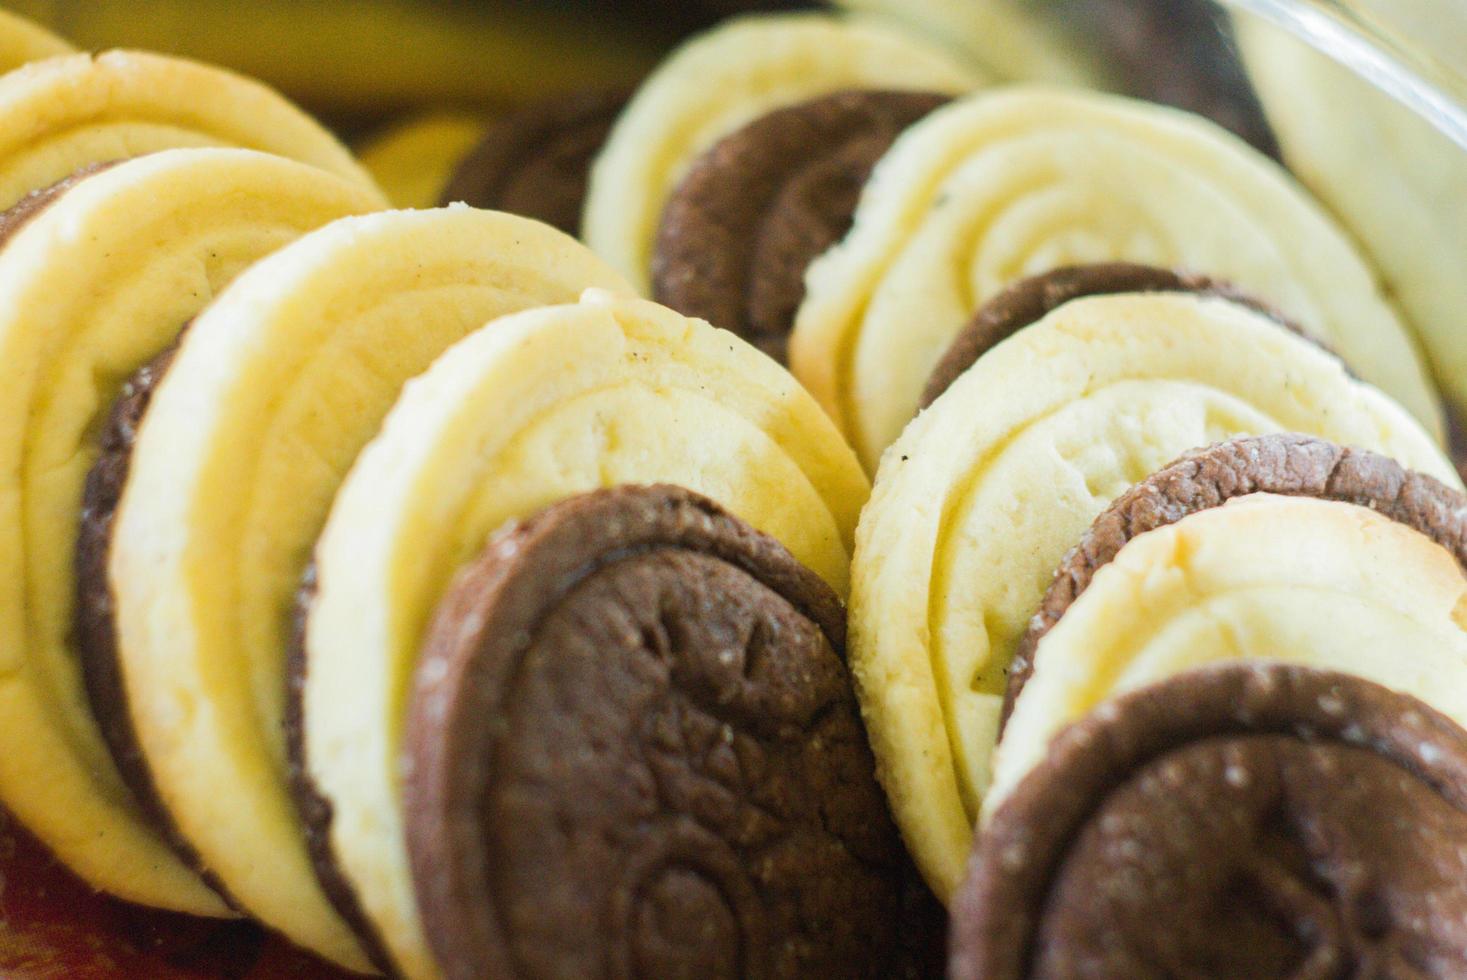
{"type": "Point", "coordinates": [1315, 582]}
{"type": "Point", "coordinates": [727, 77]}
{"type": "Point", "coordinates": [64, 113]}
{"type": "Point", "coordinates": [1016, 182]}
{"type": "Point", "coordinates": [23, 40]}
{"type": "Point", "coordinates": [277, 387]}
{"type": "Point", "coordinates": [91, 288]}
{"type": "Point", "coordinates": [977, 502]}
{"type": "Point", "coordinates": [530, 410]}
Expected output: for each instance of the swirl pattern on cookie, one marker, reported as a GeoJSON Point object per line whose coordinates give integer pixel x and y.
{"type": "Point", "coordinates": [1364, 561]}
{"type": "Point", "coordinates": [633, 747]}
{"type": "Point", "coordinates": [1008, 184]}
{"type": "Point", "coordinates": [97, 275]}
{"type": "Point", "coordinates": [64, 113]}
{"type": "Point", "coordinates": [986, 491]}
{"type": "Point", "coordinates": [725, 78]}
{"type": "Point", "coordinates": [739, 231]}
{"type": "Point", "coordinates": [1259, 820]}
{"type": "Point", "coordinates": [278, 385]}
{"type": "Point", "coordinates": [537, 160]}
{"type": "Point", "coordinates": [534, 408]}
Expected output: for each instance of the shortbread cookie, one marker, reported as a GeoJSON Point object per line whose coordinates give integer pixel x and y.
{"type": "Point", "coordinates": [528, 411]}
{"type": "Point", "coordinates": [23, 40]}
{"type": "Point", "coordinates": [278, 385]}
{"type": "Point", "coordinates": [64, 113]}
{"type": "Point", "coordinates": [1004, 185]}
{"type": "Point", "coordinates": [725, 78]}
{"type": "Point", "coordinates": [1354, 581]}
{"type": "Point", "coordinates": [986, 491]}
{"type": "Point", "coordinates": [742, 227]}
{"type": "Point", "coordinates": [536, 161]}
{"type": "Point", "coordinates": [1241, 821]}
{"type": "Point", "coordinates": [634, 741]}
{"type": "Point", "coordinates": [96, 276]}
{"type": "Point", "coordinates": [412, 160]}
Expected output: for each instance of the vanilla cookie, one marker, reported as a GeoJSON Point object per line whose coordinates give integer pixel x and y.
{"type": "Point", "coordinates": [532, 409]}
{"type": "Point", "coordinates": [725, 78]}
{"type": "Point", "coordinates": [278, 385]}
{"type": "Point", "coordinates": [989, 488]}
{"type": "Point", "coordinates": [1005, 185]}
{"type": "Point", "coordinates": [413, 159]}
{"type": "Point", "coordinates": [23, 40]}
{"type": "Point", "coordinates": [68, 112]}
{"type": "Point", "coordinates": [97, 275]}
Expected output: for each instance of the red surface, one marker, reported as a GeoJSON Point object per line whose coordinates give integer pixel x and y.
{"type": "Point", "coordinates": [54, 927]}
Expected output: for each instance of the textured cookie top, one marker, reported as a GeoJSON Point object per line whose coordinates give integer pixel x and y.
{"type": "Point", "coordinates": [536, 161]}
{"type": "Point", "coordinates": [1262, 821]}
{"type": "Point", "coordinates": [754, 211]}
{"type": "Point", "coordinates": [1280, 463]}
{"type": "Point", "coordinates": [1030, 300]}
{"type": "Point", "coordinates": [634, 750]}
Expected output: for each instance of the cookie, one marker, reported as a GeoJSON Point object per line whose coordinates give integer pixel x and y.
{"type": "Point", "coordinates": [1258, 821]}
{"type": "Point", "coordinates": [724, 78]}
{"type": "Point", "coordinates": [537, 160]}
{"type": "Point", "coordinates": [65, 113]}
{"type": "Point", "coordinates": [534, 408]}
{"type": "Point", "coordinates": [412, 159]}
{"type": "Point", "coordinates": [633, 749]}
{"type": "Point", "coordinates": [1003, 185]}
{"type": "Point", "coordinates": [1030, 300]}
{"type": "Point", "coordinates": [754, 211]}
{"type": "Point", "coordinates": [987, 490]}
{"type": "Point", "coordinates": [1282, 463]}
{"type": "Point", "coordinates": [1332, 125]}
{"type": "Point", "coordinates": [281, 380]}
{"type": "Point", "coordinates": [97, 275]}
{"type": "Point", "coordinates": [23, 40]}
{"type": "Point", "coordinates": [1360, 571]}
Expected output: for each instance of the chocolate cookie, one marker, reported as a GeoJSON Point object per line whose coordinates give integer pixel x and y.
{"type": "Point", "coordinates": [754, 211]}
{"type": "Point", "coordinates": [1286, 464]}
{"type": "Point", "coordinates": [634, 750]}
{"type": "Point", "coordinates": [1260, 821]}
{"type": "Point", "coordinates": [94, 625]}
{"type": "Point", "coordinates": [535, 162]}
{"type": "Point", "coordinates": [1030, 300]}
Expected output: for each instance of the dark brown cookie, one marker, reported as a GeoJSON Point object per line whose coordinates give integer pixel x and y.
{"type": "Point", "coordinates": [751, 215]}
{"type": "Point", "coordinates": [1030, 300]}
{"type": "Point", "coordinates": [536, 161]}
{"type": "Point", "coordinates": [94, 626]}
{"type": "Point", "coordinates": [1236, 822]}
{"type": "Point", "coordinates": [634, 750]}
{"type": "Point", "coordinates": [1288, 464]}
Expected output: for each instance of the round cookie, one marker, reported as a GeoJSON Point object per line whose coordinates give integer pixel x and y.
{"type": "Point", "coordinates": [1030, 300]}
{"type": "Point", "coordinates": [277, 386]}
{"type": "Point", "coordinates": [1325, 582]}
{"type": "Point", "coordinates": [739, 231]}
{"type": "Point", "coordinates": [1286, 464]}
{"type": "Point", "coordinates": [97, 274]}
{"type": "Point", "coordinates": [999, 186]}
{"type": "Point", "coordinates": [23, 40]}
{"type": "Point", "coordinates": [535, 408]}
{"type": "Point", "coordinates": [988, 489]}
{"type": "Point", "coordinates": [64, 113]}
{"type": "Point", "coordinates": [1243, 821]}
{"type": "Point", "coordinates": [537, 160]}
{"type": "Point", "coordinates": [729, 76]}
{"type": "Point", "coordinates": [413, 159]}
{"type": "Point", "coordinates": [633, 747]}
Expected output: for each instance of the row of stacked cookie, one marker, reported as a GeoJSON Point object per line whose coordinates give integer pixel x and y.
{"type": "Point", "coordinates": [208, 359]}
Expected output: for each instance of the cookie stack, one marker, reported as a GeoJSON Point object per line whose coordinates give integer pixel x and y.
{"type": "Point", "coordinates": [405, 581]}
